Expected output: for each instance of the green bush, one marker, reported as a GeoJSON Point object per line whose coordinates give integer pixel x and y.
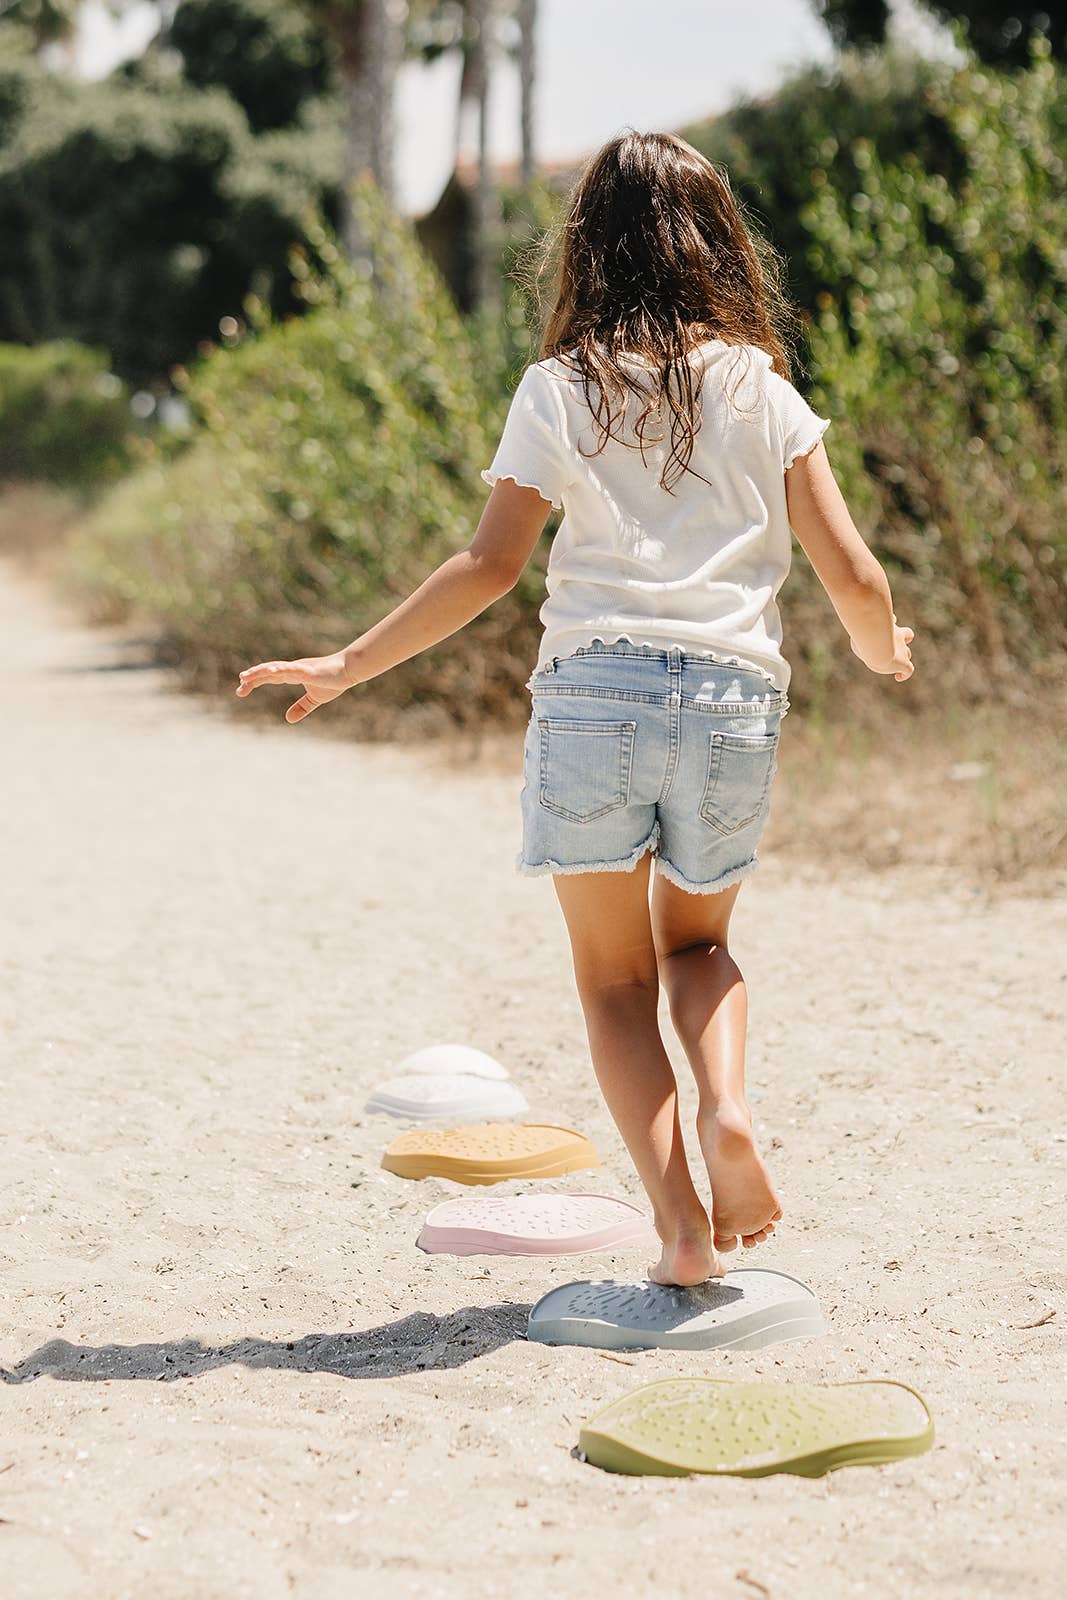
{"type": "Point", "coordinates": [923, 209]}
{"type": "Point", "coordinates": [336, 463]}
{"type": "Point", "coordinates": [64, 416]}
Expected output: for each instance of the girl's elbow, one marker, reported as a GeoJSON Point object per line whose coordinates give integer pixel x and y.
{"type": "Point", "coordinates": [511, 577]}
{"type": "Point", "coordinates": [496, 576]}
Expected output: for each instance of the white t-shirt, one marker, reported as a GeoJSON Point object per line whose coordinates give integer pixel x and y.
{"type": "Point", "coordinates": [700, 568]}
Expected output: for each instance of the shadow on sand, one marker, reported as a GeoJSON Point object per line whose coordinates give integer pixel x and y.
{"type": "Point", "coordinates": [418, 1343]}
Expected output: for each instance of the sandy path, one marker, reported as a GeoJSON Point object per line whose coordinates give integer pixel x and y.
{"type": "Point", "coordinates": [234, 1375]}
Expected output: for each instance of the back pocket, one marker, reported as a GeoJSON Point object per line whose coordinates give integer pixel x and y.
{"type": "Point", "coordinates": [740, 769]}
{"type": "Point", "coordinates": [585, 766]}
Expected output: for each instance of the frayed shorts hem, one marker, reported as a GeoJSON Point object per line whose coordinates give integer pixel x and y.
{"type": "Point", "coordinates": [529, 869]}
{"type": "Point", "coordinates": [532, 869]}
{"type": "Point", "coordinates": [723, 881]}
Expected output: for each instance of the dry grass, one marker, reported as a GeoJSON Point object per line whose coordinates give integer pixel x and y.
{"type": "Point", "coordinates": [34, 523]}
{"type": "Point", "coordinates": [971, 788]}
{"type": "Point", "coordinates": [977, 794]}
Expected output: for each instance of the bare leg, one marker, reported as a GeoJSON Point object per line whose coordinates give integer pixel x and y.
{"type": "Point", "coordinates": [615, 969]}
{"type": "Point", "coordinates": [709, 1009]}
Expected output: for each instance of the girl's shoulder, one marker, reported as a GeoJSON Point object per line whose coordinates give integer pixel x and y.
{"type": "Point", "coordinates": [554, 369]}
{"type": "Point", "coordinates": [744, 372]}
{"type": "Point", "coordinates": [546, 386]}
{"type": "Point", "coordinates": [753, 390]}
{"type": "Point", "coordinates": [749, 369]}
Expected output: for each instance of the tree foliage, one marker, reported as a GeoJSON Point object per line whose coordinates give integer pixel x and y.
{"type": "Point", "coordinates": [856, 22]}
{"type": "Point", "coordinates": [134, 218]}
{"type": "Point", "coordinates": [41, 22]}
{"type": "Point", "coordinates": [266, 53]}
{"type": "Point", "coordinates": [998, 34]}
{"type": "Point", "coordinates": [1001, 34]}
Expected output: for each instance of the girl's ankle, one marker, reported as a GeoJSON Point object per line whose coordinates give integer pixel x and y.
{"type": "Point", "coordinates": [693, 1228]}
{"type": "Point", "coordinates": [729, 1112]}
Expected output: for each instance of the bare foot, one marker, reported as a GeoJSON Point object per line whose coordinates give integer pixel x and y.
{"type": "Point", "coordinates": [687, 1259]}
{"type": "Point", "coordinates": [743, 1202]}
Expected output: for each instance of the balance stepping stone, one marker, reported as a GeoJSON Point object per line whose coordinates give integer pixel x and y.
{"type": "Point", "coordinates": [749, 1430]}
{"type": "Point", "coordinates": [490, 1153]}
{"type": "Point", "coordinates": [533, 1225]}
{"type": "Point", "coordinates": [436, 1096]}
{"type": "Point", "coordinates": [450, 1060]}
{"type": "Point", "coordinates": [746, 1310]}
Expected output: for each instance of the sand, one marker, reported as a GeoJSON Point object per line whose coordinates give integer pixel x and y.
{"type": "Point", "coordinates": [231, 1373]}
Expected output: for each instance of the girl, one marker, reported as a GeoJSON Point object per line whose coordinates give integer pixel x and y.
{"type": "Point", "coordinates": [660, 684]}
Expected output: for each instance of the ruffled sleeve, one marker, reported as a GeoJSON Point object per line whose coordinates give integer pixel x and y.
{"type": "Point", "coordinates": [532, 450]}
{"type": "Point", "coordinates": [800, 428]}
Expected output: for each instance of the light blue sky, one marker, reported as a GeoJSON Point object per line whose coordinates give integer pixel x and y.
{"type": "Point", "coordinates": [602, 65]}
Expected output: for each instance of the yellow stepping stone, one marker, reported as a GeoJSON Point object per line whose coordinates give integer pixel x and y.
{"type": "Point", "coordinates": [749, 1429]}
{"type": "Point", "coordinates": [490, 1153]}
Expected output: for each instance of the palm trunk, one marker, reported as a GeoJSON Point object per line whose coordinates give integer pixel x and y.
{"type": "Point", "coordinates": [467, 100]}
{"type": "Point", "coordinates": [527, 13]}
{"type": "Point", "coordinates": [370, 42]}
{"type": "Point", "coordinates": [475, 94]}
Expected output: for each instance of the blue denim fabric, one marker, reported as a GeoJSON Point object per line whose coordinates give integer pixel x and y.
{"type": "Point", "coordinates": [631, 749]}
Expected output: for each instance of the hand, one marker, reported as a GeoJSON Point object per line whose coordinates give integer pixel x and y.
{"type": "Point", "coordinates": [900, 663]}
{"type": "Point", "coordinates": [323, 678]}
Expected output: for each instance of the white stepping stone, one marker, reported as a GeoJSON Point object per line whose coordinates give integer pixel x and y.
{"type": "Point", "coordinates": [533, 1225]}
{"type": "Point", "coordinates": [451, 1061]}
{"type": "Point", "coordinates": [435, 1097]}
{"type": "Point", "coordinates": [746, 1310]}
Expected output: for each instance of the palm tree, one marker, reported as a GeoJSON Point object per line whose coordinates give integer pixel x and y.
{"type": "Point", "coordinates": [369, 36]}
{"type": "Point", "coordinates": [527, 18]}
{"type": "Point", "coordinates": [469, 26]}
{"type": "Point", "coordinates": [474, 101]}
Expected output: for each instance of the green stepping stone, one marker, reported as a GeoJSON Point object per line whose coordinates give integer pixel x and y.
{"type": "Point", "coordinates": [749, 1430]}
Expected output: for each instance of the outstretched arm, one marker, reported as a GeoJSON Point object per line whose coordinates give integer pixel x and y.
{"type": "Point", "coordinates": [457, 592]}
{"type": "Point", "coordinates": [848, 570]}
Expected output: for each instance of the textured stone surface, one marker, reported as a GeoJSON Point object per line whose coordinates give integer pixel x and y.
{"type": "Point", "coordinates": [489, 1152]}
{"type": "Point", "coordinates": [746, 1310]}
{"type": "Point", "coordinates": [534, 1224]}
{"type": "Point", "coordinates": [719, 1425]}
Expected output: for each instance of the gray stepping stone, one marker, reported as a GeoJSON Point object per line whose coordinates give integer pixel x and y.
{"type": "Point", "coordinates": [746, 1310]}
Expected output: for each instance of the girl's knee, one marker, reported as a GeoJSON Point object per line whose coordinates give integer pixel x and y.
{"type": "Point", "coordinates": [709, 970]}
{"type": "Point", "coordinates": [638, 987]}
{"type": "Point", "coordinates": [681, 947]}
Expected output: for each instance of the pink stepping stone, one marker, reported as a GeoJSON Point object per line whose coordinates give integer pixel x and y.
{"type": "Point", "coordinates": [533, 1225]}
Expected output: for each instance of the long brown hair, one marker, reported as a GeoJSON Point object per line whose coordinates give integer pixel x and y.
{"type": "Point", "coordinates": [651, 256]}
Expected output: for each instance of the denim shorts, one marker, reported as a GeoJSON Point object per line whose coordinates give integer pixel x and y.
{"type": "Point", "coordinates": [631, 749]}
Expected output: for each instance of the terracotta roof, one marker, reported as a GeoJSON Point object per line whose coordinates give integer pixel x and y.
{"type": "Point", "coordinates": [509, 171]}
